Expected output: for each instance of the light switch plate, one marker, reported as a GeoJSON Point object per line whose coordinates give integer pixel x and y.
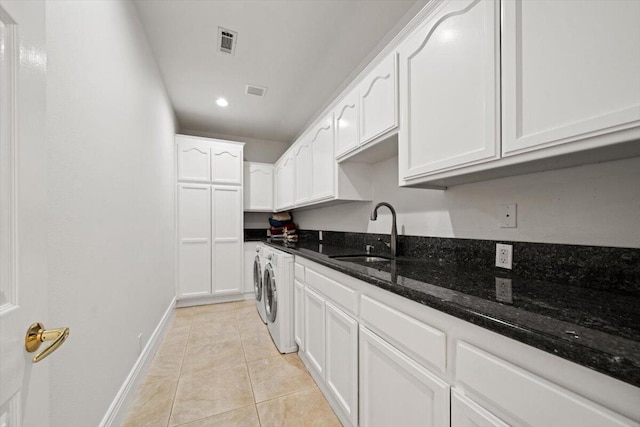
{"type": "Point", "coordinates": [508, 214]}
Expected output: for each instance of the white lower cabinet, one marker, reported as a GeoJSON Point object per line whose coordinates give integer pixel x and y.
{"type": "Point", "coordinates": [314, 329]}
{"type": "Point", "coordinates": [399, 363]}
{"type": "Point", "coordinates": [522, 397]}
{"type": "Point", "coordinates": [466, 413]}
{"type": "Point", "coordinates": [298, 314]}
{"type": "Point", "coordinates": [342, 359]}
{"type": "Point", "coordinates": [395, 390]}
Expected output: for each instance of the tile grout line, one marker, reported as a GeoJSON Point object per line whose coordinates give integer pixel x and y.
{"type": "Point", "coordinates": [246, 362]}
{"type": "Point", "coordinates": [184, 355]}
{"type": "Point", "coordinates": [314, 386]}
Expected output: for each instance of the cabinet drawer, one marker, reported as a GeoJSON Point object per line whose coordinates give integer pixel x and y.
{"type": "Point", "coordinates": [529, 398]}
{"type": "Point", "coordinates": [424, 343]}
{"type": "Point", "coordinates": [465, 412]}
{"type": "Point", "coordinates": [333, 290]}
{"type": "Point", "coordinates": [299, 271]}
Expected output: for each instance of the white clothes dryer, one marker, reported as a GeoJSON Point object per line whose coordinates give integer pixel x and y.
{"type": "Point", "coordinates": [278, 297]}
{"type": "Point", "coordinates": [258, 288]}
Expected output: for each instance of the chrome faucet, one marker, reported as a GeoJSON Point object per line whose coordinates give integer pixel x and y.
{"type": "Point", "coordinates": [394, 229]}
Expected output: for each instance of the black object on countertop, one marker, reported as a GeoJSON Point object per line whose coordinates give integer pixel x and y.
{"type": "Point", "coordinates": [255, 234]}
{"type": "Point", "coordinates": [599, 329]}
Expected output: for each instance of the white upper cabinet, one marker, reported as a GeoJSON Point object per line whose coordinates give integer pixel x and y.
{"type": "Point", "coordinates": [302, 156]}
{"type": "Point", "coordinates": [378, 100]}
{"type": "Point", "coordinates": [209, 160]}
{"type": "Point", "coordinates": [287, 182]}
{"type": "Point", "coordinates": [449, 85]}
{"type": "Point", "coordinates": [277, 185]}
{"type": "Point", "coordinates": [194, 159]}
{"type": "Point", "coordinates": [226, 163]}
{"type": "Point", "coordinates": [347, 124]}
{"type": "Point", "coordinates": [258, 187]}
{"type": "Point", "coordinates": [570, 72]}
{"type": "Point", "coordinates": [322, 160]}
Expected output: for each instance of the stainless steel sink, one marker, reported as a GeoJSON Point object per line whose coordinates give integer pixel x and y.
{"type": "Point", "coordinates": [361, 258]}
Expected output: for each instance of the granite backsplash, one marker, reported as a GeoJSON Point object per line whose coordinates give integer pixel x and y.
{"type": "Point", "coordinates": [595, 267]}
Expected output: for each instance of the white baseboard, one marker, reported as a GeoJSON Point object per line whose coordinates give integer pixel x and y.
{"type": "Point", "coordinates": [118, 409]}
{"type": "Point", "coordinates": [191, 302]}
{"type": "Point", "coordinates": [343, 417]}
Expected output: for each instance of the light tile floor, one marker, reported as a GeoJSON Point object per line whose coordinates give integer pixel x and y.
{"type": "Point", "coordinates": [217, 366]}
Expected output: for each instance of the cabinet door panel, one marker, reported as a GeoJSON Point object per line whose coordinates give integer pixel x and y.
{"type": "Point", "coordinates": [538, 402]}
{"type": "Point", "coordinates": [394, 390]}
{"type": "Point", "coordinates": [323, 161]}
{"type": "Point", "coordinates": [346, 123]}
{"type": "Point", "coordinates": [314, 329]}
{"type": "Point", "coordinates": [226, 165]}
{"type": "Point", "coordinates": [288, 182]}
{"type": "Point", "coordinates": [298, 314]}
{"type": "Point", "coordinates": [302, 155]}
{"type": "Point", "coordinates": [278, 187]}
{"type": "Point", "coordinates": [194, 240]}
{"type": "Point", "coordinates": [227, 239]}
{"type": "Point", "coordinates": [378, 100]}
{"type": "Point", "coordinates": [258, 187]}
{"type": "Point", "coordinates": [570, 71]}
{"type": "Point", "coordinates": [194, 160]}
{"type": "Point", "coordinates": [342, 360]}
{"type": "Point", "coordinates": [467, 413]}
{"type": "Point", "coordinates": [449, 81]}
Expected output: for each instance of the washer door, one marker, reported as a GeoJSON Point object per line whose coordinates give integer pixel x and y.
{"type": "Point", "coordinates": [270, 294]}
{"type": "Point", "coordinates": [257, 279]}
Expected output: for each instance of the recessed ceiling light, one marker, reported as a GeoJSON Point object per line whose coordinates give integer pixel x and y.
{"type": "Point", "coordinates": [222, 102]}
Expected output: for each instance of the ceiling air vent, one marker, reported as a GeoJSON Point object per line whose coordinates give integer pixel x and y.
{"type": "Point", "coordinates": [255, 90]}
{"type": "Point", "coordinates": [227, 40]}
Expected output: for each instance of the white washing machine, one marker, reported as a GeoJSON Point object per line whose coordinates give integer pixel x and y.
{"type": "Point", "coordinates": [278, 297]}
{"type": "Point", "coordinates": [258, 288]}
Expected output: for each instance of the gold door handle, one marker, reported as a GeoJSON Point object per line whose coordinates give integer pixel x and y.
{"type": "Point", "coordinates": [37, 334]}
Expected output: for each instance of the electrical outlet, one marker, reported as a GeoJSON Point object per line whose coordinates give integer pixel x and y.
{"type": "Point", "coordinates": [320, 235]}
{"type": "Point", "coordinates": [139, 343]}
{"type": "Point", "coordinates": [503, 290]}
{"type": "Point", "coordinates": [508, 214]}
{"type": "Point", "coordinates": [504, 256]}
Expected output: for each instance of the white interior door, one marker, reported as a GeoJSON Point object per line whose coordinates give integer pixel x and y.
{"type": "Point", "coordinates": [24, 387]}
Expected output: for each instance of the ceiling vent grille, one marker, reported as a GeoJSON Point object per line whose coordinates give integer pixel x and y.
{"type": "Point", "coordinates": [255, 90]}
{"type": "Point", "coordinates": [227, 40]}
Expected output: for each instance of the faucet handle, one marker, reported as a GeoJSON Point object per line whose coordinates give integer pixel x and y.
{"type": "Point", "coordinates": [388, 244]}
{"type": "Point", "coordinates": [369, 247]}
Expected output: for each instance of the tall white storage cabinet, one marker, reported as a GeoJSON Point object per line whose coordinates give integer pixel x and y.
{"type": "Point", "coordinates": [210, 217]}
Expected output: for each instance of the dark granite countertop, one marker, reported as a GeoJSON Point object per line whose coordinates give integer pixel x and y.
{"type": "Point", "coordinates": [594, 328]}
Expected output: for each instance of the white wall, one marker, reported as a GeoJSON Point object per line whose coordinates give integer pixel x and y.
{"type": "Point", "coordinates": [595, 204]}
{"type": "Point", "coordinates": [111, 193]}
{"type": "Point", "coordinates": [255, 150]}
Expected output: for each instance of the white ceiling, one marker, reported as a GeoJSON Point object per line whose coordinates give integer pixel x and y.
{"type": "Point", "coordinates": [302, 50]}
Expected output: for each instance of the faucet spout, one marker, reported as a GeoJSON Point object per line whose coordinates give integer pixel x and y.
{"type": "Point", "coordinates": [394, 229]}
